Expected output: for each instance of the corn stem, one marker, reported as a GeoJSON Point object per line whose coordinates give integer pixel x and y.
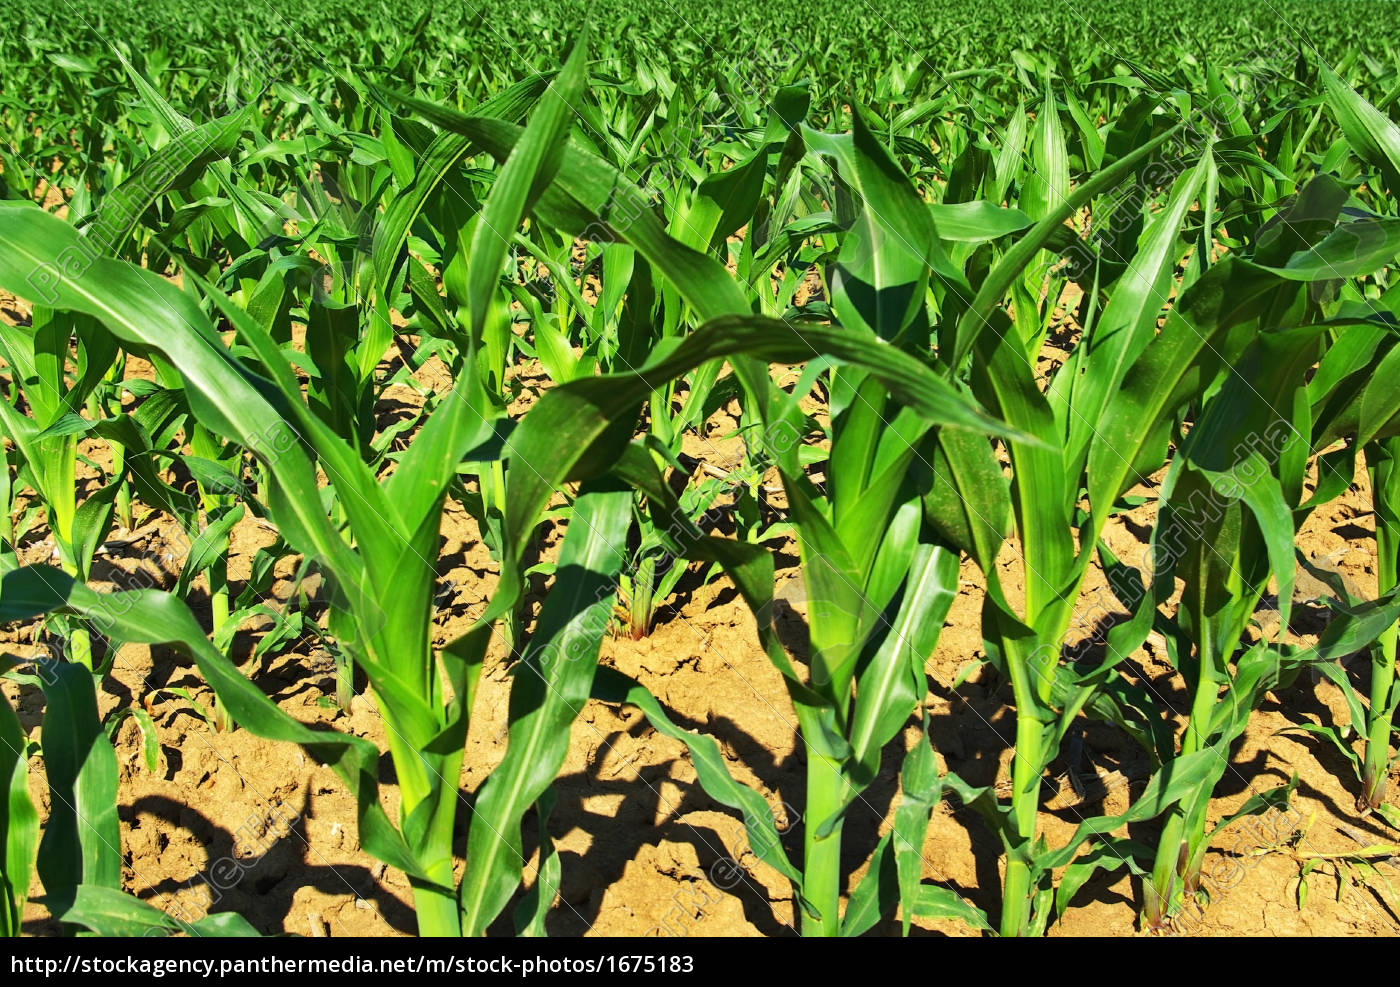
{"type": "Point", "coordinates": [822, 856]}
{"type": "Point", "coordinates": [1025, 803]}
{"type": "Point", "coordinates": [1377, 763]}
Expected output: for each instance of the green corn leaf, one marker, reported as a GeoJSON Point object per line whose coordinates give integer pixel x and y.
{"type": "Point", "coordinates": [150, 740]}
{"type": "Point", "coordinates": [109, 912]}
{"type": "Point", "coordinates": [1390, 814]}
{"type": "Point", "coordinates": [1179, 779]}
{"type": "Point", "coordinates": [1231, 293]}
{"type": "Point", "coordinates": [893, 681]}
{"type": "Point", "coordinates": [1089, 135]}
{"type": "Point", "coordinates": [883, 264]}
{"type": "Point", "coordinates": [1374, 136]}
{"type": "Point", "coordinates": [549, 690]}
{"type": "Point", "coordinates": [567, 437]}
{"type": "Point", "coordinates": [149, 313]}
{"type": "Point", "coordinates": [445, 153]}
{"type": "Point", "coordinates": [464, 421]}
{"type": "Point", "coordinates": [869, 491]}
{"type": "Point", "coordinates": [876, 893]}
{"type": "Point", "coordinates": [724, 202]}
{"type": "Point", "coordinates": [1352, 630]}
{"type": "Point", "coordinates": [984, 802]}
{"type": "Point", "coordinates": [91, 523]}
{"type": "Point", "coordinates": [1303, 221]}
{"type": "Point", "coordinates": [1273, 799]}
{"type": "Point", "coordinates": [1356, 247]}
{"type": "Point", "coordinates": [1275, 520]}
{"type": "Point", "coordinates": [589, 191]}
{"type": "Point", "coordinates": [1047, 184]}
{"type": "Point", "coordinates": [841, 616]}
{"type": "Point", "coordinates": [208, 547]}
{"type": "Point", "coordinates": [1040, 494]}
{"type": "Point", "coordinates": [1341, 380]}
{"type": "Point", "coordinates": [961, 460]}
{"type": "Point", "coordinates": [1379, 412]}
{"type": "Point", "coordinates": [919, 787]}
{"type": "Point", "coordinates": [531, 165]}
{"type": "Point", "coordinates": [944, 903]}
{"type": "Point", "coordinates": [68, 424]}
{"type": "Point", "coordinates": [869, 168]}
{"type": "Point", "coordinates": [19, 821]}
{"type": "Point", "coordinates": [373, 518]}
{"type": "Point", "coordinates": [1009, 157]}
{"type": "Point", "coordinates": [534, 907]}
{"type": "Point", "coordinates": [1015, 260]}
{"type": "Point", "coordinates": [252, 216]}
{"type": "Point", "coordinates": [174, 165]}
{"type": "Point", "coordinates": [1108, 855]}
{"type": "Point", "coordinates": [82, 842]}
{"type": "Point", "coordinates": [976, 222]}
{"type": "Point", "coordinates": [332, 334]}
{"type": "Point", "coordinates": [1128, 323]}
{"type": "Point", "coordinates": [390, 236]}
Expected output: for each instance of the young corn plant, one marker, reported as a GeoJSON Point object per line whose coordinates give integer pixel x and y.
{"type": "Point", "coordinates": [1354, 399]}
{"type": "Point", "coordinates": [46, 439]}
{"type": "Point", "coordinates": [893, 253]}
{"type": "Point", "coordinates": [1105, 420]}
{"type": "Point", "coordinates": [936, 214]}
{"type": "Point", "coordinates": [382, 574]}
{"type": "Point", "coordinates": [1351, 399]}
{"type": "Point", "coordinates": [874, 612]}
{"type": "Point", "coordinates": [1234, 494]}
{"type": "Point", "coordinates": [1097, 425]}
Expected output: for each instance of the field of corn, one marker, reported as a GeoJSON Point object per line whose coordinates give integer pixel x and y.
{"type": "Point", "coordinates": [633, 469]}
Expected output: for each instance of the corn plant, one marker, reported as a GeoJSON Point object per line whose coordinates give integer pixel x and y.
{"type": "Point", "coordinates": [1353, 399]}
{"type": "Point", "coordinates": [1096, 426]}
{"type": "Point", "coordinates": [1226, 521]}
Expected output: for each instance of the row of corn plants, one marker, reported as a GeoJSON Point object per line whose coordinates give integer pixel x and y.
{"type": "Point", "coordinates": [283, 245]}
